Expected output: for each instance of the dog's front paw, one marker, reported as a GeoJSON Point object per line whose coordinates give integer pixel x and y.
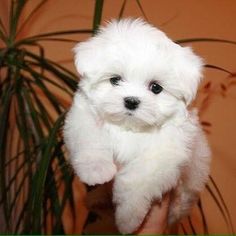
{"type": "Point", "coordinates": [129, 216]}
{"type": "Point", "coordinates": [132, 202]}
{"type": "Point", "coordinates": [94, 172]}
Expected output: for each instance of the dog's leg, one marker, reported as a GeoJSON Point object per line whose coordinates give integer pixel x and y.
{"type": "Point", "coordinates": [181, 203]}
{"type": "Point", "coordinates": [142, 181]}
{"type": "Point", "coordinates": [88, 145]}
{"type": "Point", "coordinates": [193, 180]}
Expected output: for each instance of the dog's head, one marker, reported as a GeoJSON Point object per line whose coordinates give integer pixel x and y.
{"type": "Point", "coordinates": [134, 75]}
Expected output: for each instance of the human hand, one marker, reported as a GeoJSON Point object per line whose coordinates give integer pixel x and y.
{"type": "Point", "coordinates": [155, 221]}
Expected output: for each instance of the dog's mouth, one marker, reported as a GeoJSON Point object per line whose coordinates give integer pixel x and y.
{"type": "Point", "coordinates": [129, 113]}
{"type": "Point", "coordinates": [130, 121]}
{"type": "Point", "coordinates": [137, 120]}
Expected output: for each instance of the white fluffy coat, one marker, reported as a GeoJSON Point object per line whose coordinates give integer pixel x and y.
{"type": "Point", "coordinates": [159, 146]}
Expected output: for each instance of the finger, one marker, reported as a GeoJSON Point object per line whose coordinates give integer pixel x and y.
{"type": "Point", "coordinates": [155, 221]}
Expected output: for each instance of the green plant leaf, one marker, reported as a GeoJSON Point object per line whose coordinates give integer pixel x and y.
{"type": "Point", "coordinates": [62, 88]}
{"type": "Point", "coordinates": [40, 176]}
{"type": "Point", "coordinates": [28, 139]}
{"type": "Point", "coordinates": [121, 13]}
{"type": "Point", "coordinates": [2, 36]}
{"type": "Point", "coordinates": [12, 159]}
{"type": "Point", "coordinates": [43, 113]}
{"type": "Point", "coordinates": [20, 186]}
{"type": "Point", "coordinates": [212, 194]}
{"type": "Point", "coordinates": [183, 228]}
{"type": "Point", "coordinates": [32, 13]}
{"type": "Point", "coordinates": [21, 218]}
{"type": "Point", "coordinates": [33, 115]}
{"type": "Point", "coordinates": [2, 28]}
{"type": "Point", "coordinates": [213, 40]}
{"type": "Point", "coordinates": [69, 78]}
{"type": "Point", "coordinates": [97, 15]}
{"type": "Point", "coordinates": [4, 114]}
{"type": "Point", "coordinates": [49, 63]}
{"type": "Point", "coordinates": [39, 82]}
{"type": "Point", "coordinates": [223, 203]}
{"type": "Point", "coordinates": [202, 213]}
{"type": "Point", "coordinates": [56, 208]}
{"type": "Point", "coordinates": [142, 10]}
{"type": "Point", "coordinates": [16, 9]}
{"type": "Point", "coordinates": [18, 169]}
{"type": "Point", "coordinates": [53, 39]}
{"type": "Point", "coordinates": [218, 68]}
{"type": "Point", "coordinates": [191, 226]}
{"type": "Point", "coordinates": [56, 33]}
{"type": "Point", "coordinates": [67, 177]}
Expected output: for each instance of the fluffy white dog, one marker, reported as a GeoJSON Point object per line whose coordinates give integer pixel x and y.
{"type": "Point", "coordinates": [131, 111]}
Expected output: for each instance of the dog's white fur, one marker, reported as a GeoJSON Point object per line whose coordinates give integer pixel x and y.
{"type": "Point", "coordinates": [160, 145]}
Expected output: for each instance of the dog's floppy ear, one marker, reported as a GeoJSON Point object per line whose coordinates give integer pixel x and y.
{"type": "Point", "coordinates": [188, 68]}
{"type": "Point", "coordinates": [87, 57]}
{"type": "Point", "coordinates": [82, 58]}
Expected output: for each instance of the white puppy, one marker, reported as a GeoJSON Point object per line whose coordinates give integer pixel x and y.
{"type": "Point", "coordinates": [131, 111]}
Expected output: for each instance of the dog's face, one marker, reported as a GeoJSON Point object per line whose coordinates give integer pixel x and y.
{"type": "Point", "coordinates": [135, 76]}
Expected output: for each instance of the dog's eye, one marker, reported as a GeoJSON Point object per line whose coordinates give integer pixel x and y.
{"type": "Point", "coordinates": [115, 80]}
{"type": "Point", "coordinates": [155, 87]}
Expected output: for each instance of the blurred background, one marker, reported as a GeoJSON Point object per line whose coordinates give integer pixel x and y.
{"type": "Point", "coordinates": [38, 190]}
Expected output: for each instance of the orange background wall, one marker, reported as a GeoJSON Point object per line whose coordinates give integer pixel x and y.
{"type": "Point", "coordinates": [179, 19]}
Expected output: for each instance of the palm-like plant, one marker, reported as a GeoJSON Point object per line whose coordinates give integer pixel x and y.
{"type": "Point", "coordinates": [33, 165]}
{"type": "Point", "coordinates": [35, 181]}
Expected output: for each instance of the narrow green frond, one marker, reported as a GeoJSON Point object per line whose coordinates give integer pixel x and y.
{"type": "Point", "coordinates": [212, 194]}
{"type": "Point", "coordinates": [191, 226]}
{"type": "Point", "coordinates": [36, 126]}
{"type": "Point", "coordinates": [18, 192]}
{"type": "Point", "coordinates": [183, 228]}
{"type": "Point", "coordinates": [218, 68]}
{"type": "Point", "coordinates": [121, 13]}
{"type": "Point", "coordinates": [4, 124]}
{"type": "Point", "coordinates": [56, 33]}
{"type": "Point", "coordinates": [30, 41]}
{"type": "Point", "coordinates": [97, 16]}
{"type": "Point", "coordinates": [49, 63]}
{"type": "Point", "coordinates": [61, 73]}
{"type": "Point", "coordinates": [22, 122]}
{"type": "Point", "coordinates": [2, 27]}
{"type": "Point", "coordinates": [16, 9]}
{"type": "Point", "coordinates": [2, 36]}
{"type": "Point", "coordinates": [21, 219]}
{"type": "Point", "coordinates": [56, 206]}
{"type": "Point", "coordinates": [11, 16]}
{"type": "Point", "coordinates": [32, 13]}
{"type": "Point", "coordinates": [40, 176]}
{"type": "Point", "coordinates": [67, 177]}
{"type": "Point", "coordinates": [17, 170]}
{"type": "Point", "coordinates": [51, 81]}
{"type": "Point", "coordinates": [28, 138]}
{"type": "Point", "coordinates": [43, 112]}
{"type": "Point", "coordinates": [142, 10]}
{"type": "Point", "coordinates": [223, 203]}
{"type": "Point", "coordinates": [12, 159]}
{"type": "Point", "coordinates": [195, 40]}
{"type": "Point", "coordinates": [202, 213]}
{"type": "Point", "coordinates": [39, 82]}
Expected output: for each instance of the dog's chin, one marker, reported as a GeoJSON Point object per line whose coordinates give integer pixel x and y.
{"type": "Point", "coordinates": [130, 121]}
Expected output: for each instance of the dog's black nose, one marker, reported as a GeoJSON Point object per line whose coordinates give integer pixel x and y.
{"type": "Point", "coordinates": [131, 103]}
